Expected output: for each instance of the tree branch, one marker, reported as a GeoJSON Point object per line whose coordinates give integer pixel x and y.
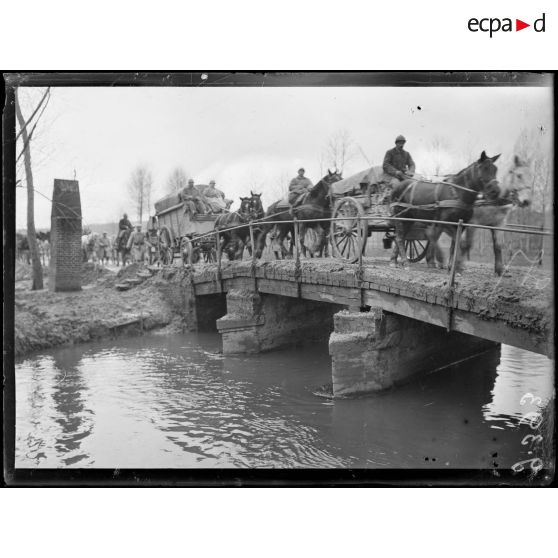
{"type": "Point", "coordinates": [34, 112]}
{"type": "Point", "coordinates": [34, 126]}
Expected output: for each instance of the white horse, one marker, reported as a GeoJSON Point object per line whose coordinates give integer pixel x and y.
{"type": "Point", "coordinates": [515, 190]}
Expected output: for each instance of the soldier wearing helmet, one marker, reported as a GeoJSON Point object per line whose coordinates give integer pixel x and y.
{"type": "Point", "coordinates": [298, 187]}
{"type": "Point", "coordinates": [398, 163]}
{"type": "Point", "coordinates": [123, 225]}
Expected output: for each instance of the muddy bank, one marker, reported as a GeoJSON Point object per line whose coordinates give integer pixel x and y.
{"type": "Point", "coordinates": [44, 319]}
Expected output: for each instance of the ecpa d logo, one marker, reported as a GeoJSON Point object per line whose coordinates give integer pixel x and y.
{"type": "Point", "coordinates": [494, 24]}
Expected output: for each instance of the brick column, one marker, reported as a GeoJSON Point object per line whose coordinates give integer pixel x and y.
{"type": "Point", "coordinates": [65, 237]}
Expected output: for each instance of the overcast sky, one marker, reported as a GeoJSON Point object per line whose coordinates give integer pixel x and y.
{"type": "Point", "coordinates": [257, 137]}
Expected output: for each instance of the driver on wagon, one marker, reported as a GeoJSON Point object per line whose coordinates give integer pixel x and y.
{"type": "Point", "coordinates": [398, 163]}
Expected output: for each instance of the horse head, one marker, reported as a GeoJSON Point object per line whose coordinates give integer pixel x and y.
{"type": "Point", "coordinates": [256, 205]}
{"type": "Point", "coordinates": [479, 177]}
{"type": "Point", "coordinates": [319, 193]}
{"type": "Point", "coordinates": [518, 182]}
{"type": "Point", "coordinates": [245, 206]}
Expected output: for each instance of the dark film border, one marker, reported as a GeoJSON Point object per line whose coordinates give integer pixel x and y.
{"type": "Point", "coordinates": [224, 477]}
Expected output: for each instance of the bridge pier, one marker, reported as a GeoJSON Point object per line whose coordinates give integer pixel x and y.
{"type": "Point", "coordinates": [261, 322]}
{"type": "Point", "coordinates": [375, 350]}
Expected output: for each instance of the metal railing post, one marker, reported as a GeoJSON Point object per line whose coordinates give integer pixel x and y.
{"type": "Point", "coordinates": [253, 266]}
{"type": "Point", "coordinates": [298, 269]}
{"type": "Point", "coordinates": [360, 269]}
{"type": "Point", "coordinates": [451, 285]}
{"type": "Point", "coordinates": [219, 257]}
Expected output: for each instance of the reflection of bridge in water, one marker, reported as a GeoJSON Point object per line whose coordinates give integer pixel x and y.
{"type": "Point", "coordinates": [385, 324]}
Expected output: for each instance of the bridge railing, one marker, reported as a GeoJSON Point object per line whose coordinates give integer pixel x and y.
{"type": "Point", "coordinates": [257, 223]}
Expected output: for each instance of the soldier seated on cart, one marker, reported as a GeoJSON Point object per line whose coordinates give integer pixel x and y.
{"type": "Point", "coordinates": [193, 200]}
{"type": "Point", "coordinates": [215, 199]}
{"type": "Point", "coordinates": [398, 164]}
{"type": "Point", "coordinates": [299, 186]}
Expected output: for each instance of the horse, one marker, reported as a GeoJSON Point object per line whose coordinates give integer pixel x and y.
{"type": "Point", "coordinates": [233, 242]}
{"type": "Point", "coordinates": [316, 204]}
{"type": "Point", "coordinates": [451, 200]}
{"type": "Point", "coordinates": [494, 210]}
{"type": "Point", "coordinates": [122, 250]}
{"type": "Point", "coordinates": [22, 248]}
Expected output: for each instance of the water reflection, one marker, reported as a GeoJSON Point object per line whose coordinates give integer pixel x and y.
{"type": "Point", "coordinates": [69, 395]}
{"type": "Point", "coordinates": [175, 401]}
{"type": "Point", "coordinates": [519, 373]}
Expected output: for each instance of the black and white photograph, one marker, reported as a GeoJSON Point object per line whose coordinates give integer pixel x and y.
{"type": "Point", "coordinates": [329, 274]}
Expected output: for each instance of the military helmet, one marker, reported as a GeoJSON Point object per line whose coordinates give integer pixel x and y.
{"type": "Point", "coordinates": [400, 138]}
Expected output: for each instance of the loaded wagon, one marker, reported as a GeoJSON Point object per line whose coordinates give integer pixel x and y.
{"type": "Point", "coordinates": [177, 227]}
{"type": "Point", "coordinates": [364, 200]}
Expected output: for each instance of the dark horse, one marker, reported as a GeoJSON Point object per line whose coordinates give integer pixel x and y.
{"type": "Point", "coordinates": [122, 250]}
{"type": "Point", "coordinates": [440, 201]}
{"type": "Point", "coordinates": [315, 205]}
{"type": "Point", "coordinates": [233, 242]}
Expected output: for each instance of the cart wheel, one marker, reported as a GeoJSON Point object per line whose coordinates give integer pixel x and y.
{"type": "Point", "coordinates": [416, 249]}
{"type": "Point", "coordinates": [348, 236]}
{"type": "Point", "coordinates": [166, 250]}
{"type": "Point", "coordinates": [187, 251]}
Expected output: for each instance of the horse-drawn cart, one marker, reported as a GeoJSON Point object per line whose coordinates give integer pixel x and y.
{"type": "Point", "coordinates": [363, 199]}
{"type": "Point", "coordinates": [177, 228]}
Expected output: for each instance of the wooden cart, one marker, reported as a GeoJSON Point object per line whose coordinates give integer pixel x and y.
{"type": "Point", "coordinates": [362, 203]}
{"type": "Point", "coordinates": [177, 229]}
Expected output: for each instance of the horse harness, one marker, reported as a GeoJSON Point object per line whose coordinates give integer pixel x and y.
{"type": "Point", "coordinates": [454, 203]}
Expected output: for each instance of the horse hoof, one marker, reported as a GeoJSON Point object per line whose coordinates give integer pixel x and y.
{"type": "Point", "coordinates": [392, 264]}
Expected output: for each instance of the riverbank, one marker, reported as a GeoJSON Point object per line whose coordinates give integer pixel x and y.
{"type": "Point", "coordinates": [45, 319]}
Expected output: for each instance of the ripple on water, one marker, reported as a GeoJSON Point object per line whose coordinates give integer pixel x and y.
{"type": "Point", "coordinates": [176, 401]}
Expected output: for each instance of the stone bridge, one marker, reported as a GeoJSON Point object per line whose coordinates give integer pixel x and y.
{"type": "Point", "coordinates": [384, 324]}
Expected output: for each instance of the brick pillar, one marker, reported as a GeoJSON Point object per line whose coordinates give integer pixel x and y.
{"type": "Point", "coordinates": [376, 350]}
{"type": "Point", "coordinates": [65, 237]}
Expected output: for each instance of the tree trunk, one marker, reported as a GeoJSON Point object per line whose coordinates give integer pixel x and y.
{"type": "Point", "coordinates": [31, 234]}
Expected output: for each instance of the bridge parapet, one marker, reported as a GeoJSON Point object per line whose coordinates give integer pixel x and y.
{"type": "Point", "coordinates": [516, 310]}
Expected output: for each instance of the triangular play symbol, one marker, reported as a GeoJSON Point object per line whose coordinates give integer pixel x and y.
{"type": "Point", "coordinates": [519, 25]}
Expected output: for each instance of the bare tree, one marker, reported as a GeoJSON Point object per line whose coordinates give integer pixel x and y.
{"type": "Point", "coordinates": [533, 146]}
{"type": "Point", "coordinates": [139, 188]}
{"type": "Point", "coordinates": [26, 132]}
{"type": "Point", "coordinates": [438, 160]}
{"type": "Point", "coordinates": [177, 180]}
{"type": "Point", "coordinates": [338, 151]}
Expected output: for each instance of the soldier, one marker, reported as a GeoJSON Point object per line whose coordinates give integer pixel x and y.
{"type": "Point", "coordinates": [136, 243]}
{"type": "Point", "coordinates": [103, 248]}
{"type": "Point", "coordinates": [192, 199]}
{"type": "Point", "coordinates": [215, 198]}
{"type": "Point", "coordinates": [123, 225]}
{"type": "Point", "coordinates": [152, 242]}
{"type": "Point", "coordinates": [398, 163]}
{"type": "Point", "coordinates": [298, 187]}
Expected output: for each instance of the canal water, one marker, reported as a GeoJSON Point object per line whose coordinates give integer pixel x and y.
{"type": "Point", "coordinates": [176, 402]}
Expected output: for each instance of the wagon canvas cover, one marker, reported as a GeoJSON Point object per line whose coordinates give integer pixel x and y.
{"type": "Point", "coordinates": [352, 184]}
{"type": "Point", "coordinates": [166, 202]}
